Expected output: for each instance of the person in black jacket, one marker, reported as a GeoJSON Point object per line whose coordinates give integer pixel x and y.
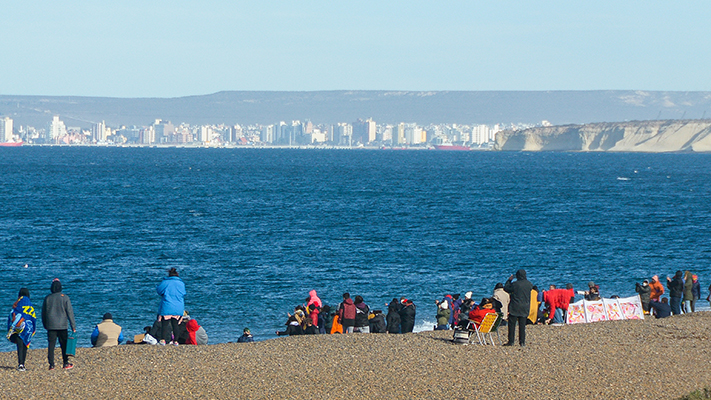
{"type": "Point", "coordinates": [676, 290]}
{"type": "Point", "coordinates": [376, 320]}
{"type": "Point", "coordinates": [644, 292]}
{"type": "Point", "coordinates": [519, 307]}
{"type": "Point", "coordinates": [407, 316]}
{"type": "Point", "coordinates": [393, 317]}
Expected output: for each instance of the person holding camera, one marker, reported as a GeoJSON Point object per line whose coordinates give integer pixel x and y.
{"type": "Point", "coordinates": [645, 292]}
{"type": "Point", "coordinates": [519, 306]}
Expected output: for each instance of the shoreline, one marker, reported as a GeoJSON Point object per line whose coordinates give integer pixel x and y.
{"type": "Point", "coordinates": [665, 358]}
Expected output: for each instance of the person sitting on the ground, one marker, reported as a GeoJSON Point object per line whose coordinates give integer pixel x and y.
{"type": "Point", "coordinates": [313, 312]}
{"type": "Point", "coordinates": [593, 292]}
{"type": "Point", "coordinates": [310, 329]}
{"type": "Point", "coordinates": [106, 333]}
{"type": "Point", "coordinates": [293, 327]}
{"type": "Point", "coordinates": [443, 314]}
{"type": "Point", "coordinates": [196, 333]}
{"type": "Point", "coordinates": [661, 309]}
{"type": "Point", "coordinates": [246, 337]}
{"type": "Point", "coordinates": [479, 312]}
{"type": "Point", "coordinates": [376, 320]}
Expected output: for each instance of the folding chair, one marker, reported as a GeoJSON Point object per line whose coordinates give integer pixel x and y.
{"type": "Point", "coordinates": [462, 334]}
{"type": "Point", "coordinates": [487, 326]}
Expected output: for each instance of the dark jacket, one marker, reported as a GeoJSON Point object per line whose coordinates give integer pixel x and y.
{"type": "Point", "coordinates": [361, 318]}
{"type": "Point", "coordinates": [661, 310]}
{"type": "Point", "coordinates": [688, 286]}
{"type": "Point", "coordinates": [520, 292]}
{"type": "Point", "coordinates": [393, 318]}
{"type": "Point", "coordinates": [311, 330]}
{"type": "Point", "coordinates": [57, 312]}
{"type": "Point", "coordinates": [676, 285]}
{"type": "Point", "coordinates": [246, 338]}
{"type": "Point", "coordinates": [347, 313]}
{"type": "Point", "coordinates": [644, 292]}
{"type": "Point", "coordinates": [696, 290]}
{"type": "Point", "coordinates": [407, 317]}
{"type": "Point", "coordinates": [377, 323]}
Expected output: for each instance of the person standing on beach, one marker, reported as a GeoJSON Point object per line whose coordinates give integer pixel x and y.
{"type": "Point", "coordinates": [347, 313]}
{"type": "Point", "coordinates": [57, 315]}
{"type": "Point", "coordinates": [407, 315]}
{"type": "Point", "coordinates": [644, 291]}
{"type": "Point", "coordinates": [502, 300]}
{"type": "Point", "coordinates": [676, 290]}
{"type": "Point", "coordinates": [21, 326]}
{"type": "Point", "coordinates": [393, 317]}
{"type": "Point", "coordinates": [172, 306]}
{"type": "Point", "coordinates": [657, 289]}
{"type": "Point", "coordinates": [688, 293]}
{"type": "Point", "coordinates": [361, 318]}
{"type": "Point", "coordinates": [696, 291]}
{"type": "Point", "coordinates": [519, 307]}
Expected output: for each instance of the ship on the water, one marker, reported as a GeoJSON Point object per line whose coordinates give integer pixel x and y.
{"type": "Point", "coordinates": [451, 147]}
{"type": "Point", "coordinates": [11, 144]}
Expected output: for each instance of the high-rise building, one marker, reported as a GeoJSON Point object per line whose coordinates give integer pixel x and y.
{"type": "Point", "coordinates": [267, 135]}
{"type": "Point", "coordinates": [6, 129]}
{"type": "Point", "coordinates": [205, 134]}
{"type": "Point", "coordinates": [364, 131]}
{"type": "Point", "coordinates": [343, 134]}
{"type": "Point", "coordinates": [56, 129]}
{"type": "Point", "coordinates": [98, 132]}
{"type": "Point", "coordinates": [413, 134]}
{"type": "Point", "coordinates": [398, 134]}
{"type": "Point", "coordinates": [163, 130]}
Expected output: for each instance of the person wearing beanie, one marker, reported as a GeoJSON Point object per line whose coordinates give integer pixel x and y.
{"type": "Point", "coordinates": [57, 315]}
{"type": "Point", "coordinates": [696, 291]}
{"type": "Point", "coordinates": [443, 314]}
{"type": "Point", "coordinates": [107, 333]}
{"type": "Point", "coordinates": [246, 337]}
{"type": "Point", "coordinates": [21, 326]}
{"type": "Point", "coordinates": [657, 289]}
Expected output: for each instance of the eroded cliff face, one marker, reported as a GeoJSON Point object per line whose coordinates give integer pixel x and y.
{"type": "Point", "coordinates": [634, 136]}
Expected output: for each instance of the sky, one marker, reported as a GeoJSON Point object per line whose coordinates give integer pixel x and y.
{"type": "Point", "coordinates": [180, 48]}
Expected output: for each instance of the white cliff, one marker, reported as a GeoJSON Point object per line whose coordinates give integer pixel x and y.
{"type": "Point", "coordinates": [634, 136]}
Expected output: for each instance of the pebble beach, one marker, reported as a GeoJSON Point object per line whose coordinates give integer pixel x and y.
{"type": "Point", "coordinates": [655, 359]}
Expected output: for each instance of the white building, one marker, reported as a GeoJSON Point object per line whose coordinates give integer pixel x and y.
{"type": "Point", "coordinates": [56, 129]}
{"type": "Point", "coordinates": [6, 129]}
{"type": "Point", "coordinates": [413, 134]}
{"type": "Point", "coordinates": [98, 132]}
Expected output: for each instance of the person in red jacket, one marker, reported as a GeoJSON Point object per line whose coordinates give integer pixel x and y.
{"type": "Point", "coordinates": [347, 313]}
{"type": "Point", "coordinates": [479, 312]}
{"type": "Point", "coordinates": [557, 301]}
{"type": "Point", "coordinates": [313, 314]}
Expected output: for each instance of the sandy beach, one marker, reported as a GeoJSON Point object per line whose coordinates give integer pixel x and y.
{"type": "Point", "coordinates": [608, 360]}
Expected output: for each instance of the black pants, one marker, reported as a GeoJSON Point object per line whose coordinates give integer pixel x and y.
{"type": "Point", "coordinates": [169, 327]}
{"type": "Point", "coordinates": [21, 349]}
{"type": "Point", "coordinates": [521, 321]}
{"type": "Point", "coordinates": [52, 337]}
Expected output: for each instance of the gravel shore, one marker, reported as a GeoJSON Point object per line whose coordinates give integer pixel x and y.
{"type": "Point", "coordinates": [608, 360]}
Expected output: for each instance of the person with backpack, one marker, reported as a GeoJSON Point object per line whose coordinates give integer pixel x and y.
{"type": "Point", "coordinates": [57, 315]}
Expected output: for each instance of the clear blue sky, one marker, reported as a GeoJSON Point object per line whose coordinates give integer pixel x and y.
{"type": "Point", "coordinates": [177, 48]}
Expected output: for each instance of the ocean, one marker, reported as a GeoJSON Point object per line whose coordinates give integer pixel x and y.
{"type": "Point", "coordinates": [251, 231]}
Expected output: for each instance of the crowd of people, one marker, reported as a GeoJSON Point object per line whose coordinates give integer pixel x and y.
{"type": "Point", "coordinates": [517, 301]}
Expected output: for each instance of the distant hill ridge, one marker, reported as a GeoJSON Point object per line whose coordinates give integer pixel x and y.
{"type": "Point", "coordinates": [423, 107]}
{"type": "Point", "coordinates": [634, 136]}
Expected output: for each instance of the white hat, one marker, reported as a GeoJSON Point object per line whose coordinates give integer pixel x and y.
{"type": "Point", "coordinates": [443, 305]}
{"type": "Point", "coordinates": [468, 295]}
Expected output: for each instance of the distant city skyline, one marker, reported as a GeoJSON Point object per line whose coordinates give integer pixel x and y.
{"type": "Point", "coordinates": [173, 49]}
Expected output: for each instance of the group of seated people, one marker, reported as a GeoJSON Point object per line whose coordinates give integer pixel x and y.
{"type": "Point", "coordinates": [107, 333]}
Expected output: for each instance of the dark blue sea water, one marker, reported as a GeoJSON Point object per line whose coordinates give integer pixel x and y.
{"type": "Point", "coordinates": [252, 231]}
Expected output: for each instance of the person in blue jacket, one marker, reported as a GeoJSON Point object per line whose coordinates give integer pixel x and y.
{"type": "Point", "coordinates": [172, 306]}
